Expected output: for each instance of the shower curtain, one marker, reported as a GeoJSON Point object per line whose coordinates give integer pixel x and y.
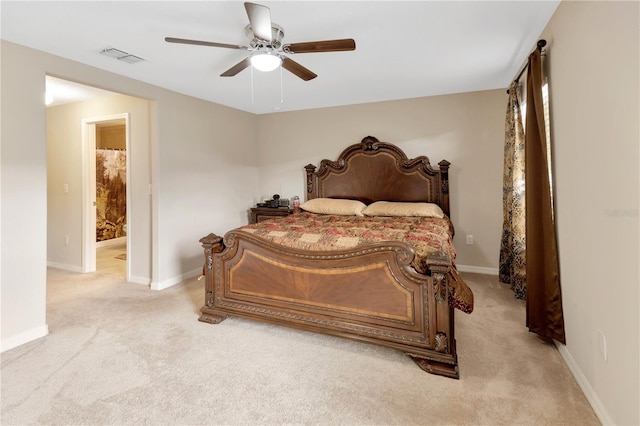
{"type": "Point", "coordinates": [111, 190]}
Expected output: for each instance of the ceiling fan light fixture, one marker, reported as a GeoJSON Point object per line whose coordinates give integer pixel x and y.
{"type": "Point", "coordinates": [265, 61]}
{"type": "Point", "coordinates": [266, 51]}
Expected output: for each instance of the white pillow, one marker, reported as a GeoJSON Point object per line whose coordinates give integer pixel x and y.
{"type": "Point", "coordinates": [389, 208]}
{"type": "Point", "coordinates": [334, 206]}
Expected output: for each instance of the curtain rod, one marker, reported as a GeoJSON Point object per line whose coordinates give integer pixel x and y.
{"type": "Point", "coordinates": [541, 44]}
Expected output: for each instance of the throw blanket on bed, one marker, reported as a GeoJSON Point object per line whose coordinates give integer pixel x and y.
{"type": "Point", "coordinates": [309, 231]}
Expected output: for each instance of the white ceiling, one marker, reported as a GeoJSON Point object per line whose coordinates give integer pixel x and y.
{"type": "Point", "coordinates": [404, 49]}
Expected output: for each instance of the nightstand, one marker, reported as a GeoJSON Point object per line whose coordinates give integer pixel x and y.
{"type": "Point", "coordinates": [262, 213]}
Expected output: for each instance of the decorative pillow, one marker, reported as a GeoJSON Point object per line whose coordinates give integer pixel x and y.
{"type": "Point", "coordinates": [334, 206]}
{"type": "Point", "coordinates": [389, 208]}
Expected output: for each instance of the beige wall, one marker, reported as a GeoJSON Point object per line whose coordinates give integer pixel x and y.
{"type": "Point", "coordinates": [24, 202]}
{"type": "Point", "coordinates": [593, 58]}
{"type": "Point", "coordinates": [208, 163]}
{"type": "Point", "coordinates": [466, 129]}
{"type": "Point", "coordinates": [64, 160]}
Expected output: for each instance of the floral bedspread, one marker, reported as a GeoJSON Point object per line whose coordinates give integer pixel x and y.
{"type": "Point", "coordinates": [310, 231]}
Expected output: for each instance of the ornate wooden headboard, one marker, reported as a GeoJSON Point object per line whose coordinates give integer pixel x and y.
{"type": "Point", "coordinates": [378, 171]}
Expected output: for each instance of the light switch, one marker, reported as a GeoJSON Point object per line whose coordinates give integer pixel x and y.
{"type": "Point", "coordinates": [66, 188]}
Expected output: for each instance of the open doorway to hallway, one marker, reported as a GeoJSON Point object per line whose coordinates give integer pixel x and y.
{"type": "Point", "coordinates": [93, 186]}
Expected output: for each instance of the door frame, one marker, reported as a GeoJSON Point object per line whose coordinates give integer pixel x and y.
{"type": "Point", "coordinates": [89, 190]}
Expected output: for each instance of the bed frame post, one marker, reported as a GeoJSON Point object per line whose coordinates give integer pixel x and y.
{"type": "Point", "coordinates": [444, 340]}
{"type": "Point", "coordinates": [444, 176]}
{"type": "Point", "coordinates": [311, 191]}
{"type": "Point", "coordinates": [212, 244]}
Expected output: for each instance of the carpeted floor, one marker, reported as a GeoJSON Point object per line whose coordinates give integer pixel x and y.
{"type": "Point", "coordinates": [119, 353]}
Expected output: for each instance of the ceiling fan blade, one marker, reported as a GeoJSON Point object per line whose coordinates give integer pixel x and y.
{"type": "Point", "coordinates": [321, 46]}
{"type": "Point", "coordinates": [297, 69]}
{"type": "Point", "coordinates": [260, 20]}
{"type": "Point", "coordinates": [203, 43]}
{"type": "Point", "coordinates": [236, 68]}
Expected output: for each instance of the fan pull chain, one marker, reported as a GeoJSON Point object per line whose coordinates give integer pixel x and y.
{"type": "Point", "coordinates": [251, 85]}
{"type": "Point", "coordinates": [281, 92]}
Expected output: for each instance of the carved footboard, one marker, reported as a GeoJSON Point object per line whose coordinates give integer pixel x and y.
{"type": "Point", "coordinates": [369, 293]}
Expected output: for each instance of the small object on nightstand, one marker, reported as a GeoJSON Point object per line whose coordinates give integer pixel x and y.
{"type": "Point", "coordinates": [295, 201]}
{"type": "Point", "coordinates": [284, 202]}
{"type": "Point", "coordinates": [275, 202]}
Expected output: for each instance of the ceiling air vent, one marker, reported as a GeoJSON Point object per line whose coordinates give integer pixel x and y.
{"type": "Point", "coordinates": [121, 55]}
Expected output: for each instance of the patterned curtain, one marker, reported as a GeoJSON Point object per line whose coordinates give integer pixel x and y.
{"type": "Point", "coordinates": [513, 245]}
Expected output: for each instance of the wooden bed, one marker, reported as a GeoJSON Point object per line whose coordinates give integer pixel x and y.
{"type": "Point", "coordinates": [368, 293]}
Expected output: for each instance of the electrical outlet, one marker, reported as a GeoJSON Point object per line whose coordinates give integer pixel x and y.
{"type": "Point", "coordinates": [66, 240]}
{"type": "Point", "coordinates": [470, 240]}
{"type": "Point", "coordinates": [602, 344]}
{"type": "Point", "coordinates": [66, 188]}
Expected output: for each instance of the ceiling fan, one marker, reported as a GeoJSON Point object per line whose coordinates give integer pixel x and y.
{"type": "Point", "coordinates": [266, 49]}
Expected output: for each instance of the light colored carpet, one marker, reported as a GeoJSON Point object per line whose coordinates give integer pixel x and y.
{"type": "Point", "coordinates": [119, 353]}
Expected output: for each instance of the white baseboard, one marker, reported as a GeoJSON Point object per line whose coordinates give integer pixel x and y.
{"type": "Point", "coordinates": [175, 280]}
{"type": "Point", "coordinates": [22, 338]}
{"type": "Point", "coordinates": [589, 392]}
{"type": "Point", "coordinates": [477, 269]}
{"type": "Point", "coordinates": [72, 268]}
{"type": "Point", "coordinates": [139, 280]}
{"type": "Point", "coordinates": [62, 266]}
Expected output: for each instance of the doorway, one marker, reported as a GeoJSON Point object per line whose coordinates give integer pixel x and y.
{"type": "Point", "coordinates": [74, 120]}
{"type": "Point", "coordinates": [106, 193]}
